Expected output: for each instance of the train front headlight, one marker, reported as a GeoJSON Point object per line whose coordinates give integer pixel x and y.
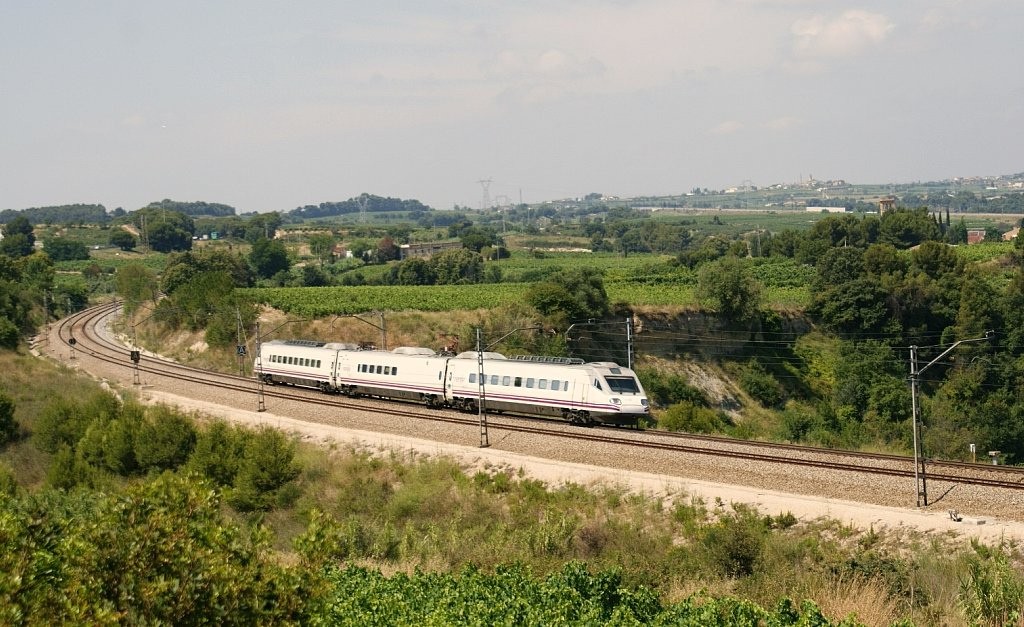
{"type": "Point", "coordinates": [643, 401]}
{"type": "Point", "coordinates": [617, 401]}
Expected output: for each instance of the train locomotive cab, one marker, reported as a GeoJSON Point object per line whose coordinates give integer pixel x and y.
{"type": "Point", "coordinates": [618, 390]}
{"type": "Point", "coordinates": [554, 387]}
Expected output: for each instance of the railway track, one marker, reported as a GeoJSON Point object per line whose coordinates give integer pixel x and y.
{"type": "Point", "coordinates": [79, 335]}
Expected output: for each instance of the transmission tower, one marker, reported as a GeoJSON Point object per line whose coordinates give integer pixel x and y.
{"type": "Point", "coordinates": [486, 201]}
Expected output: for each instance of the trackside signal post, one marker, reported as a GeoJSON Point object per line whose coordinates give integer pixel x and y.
{"type": "Point", "coordinates": [920, 476]}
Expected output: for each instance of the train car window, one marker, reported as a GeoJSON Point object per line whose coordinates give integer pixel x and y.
{"type": "Point", "coordinates": [494, 379]}
{"type": "Point", "coordinates": [387, 369]}
{"type": "Point", "coordinates": [472, 377]}
{"type": "Point", "coordinates": [623, 385]}
{"type": "Point", "coordinates": [597, 384]}
{"type": "Point", "coordinates": [542, 384]}
{"type": "Point", "coordinates": [378, 369]}
{"type": "Point", "coordinates": [506, 380]}
{"type": "Point", "coordinates": [317, 363]}
{"type": "Point", "coordinates": [290, 362]}
{"type": "Point", "coordinates": [529, 382]}
{"type": "Point", "coordinates": [554, 386]}
{"type": "Point", "coordinates": [394, 371]}
{"type": "Point", "coordinates": [565, 385]}
{"type": "Point", "coordinates": [518, 382]}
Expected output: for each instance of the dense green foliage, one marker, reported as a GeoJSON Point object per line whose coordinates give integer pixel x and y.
{"type": "Point", "coordinates": [63, 249]}
{"type": "Point", "coordinates": [195, 208]}
{"type": "Point", "coordinates": [61, 214]}
{"type": "Point", "coordinates": [160, 552]}
{"type": "Point", "coordinates": [365, 203]}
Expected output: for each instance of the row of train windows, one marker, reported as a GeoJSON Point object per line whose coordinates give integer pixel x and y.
{"type": "Point", "coordinates": [540, 384]}
{"type": "Point", "coordinates": [295, 361]}
{"type": "Point", "coordinates": [371, 369]}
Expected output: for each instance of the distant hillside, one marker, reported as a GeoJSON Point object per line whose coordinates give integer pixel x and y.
{"type": "Point", "coordinates": [194, 208]}
{"type": "Point", "coordinates": [366, 202]}
{"type": "Point", "coordinates": [58, 214]}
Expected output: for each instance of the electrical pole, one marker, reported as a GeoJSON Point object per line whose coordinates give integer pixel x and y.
{"type": "Point", "coordinates": [481, 411]}
{"type": "Point", "coordinates": [920, 476]}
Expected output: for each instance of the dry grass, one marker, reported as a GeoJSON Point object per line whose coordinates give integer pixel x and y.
{"type": "Point", "coordinates": [868, 600]}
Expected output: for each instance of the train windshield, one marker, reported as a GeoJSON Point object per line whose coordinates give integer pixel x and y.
{"type": "Point", "coordinates": [623, 385]}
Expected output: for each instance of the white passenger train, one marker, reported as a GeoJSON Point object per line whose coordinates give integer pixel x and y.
{"type": "Point", "coordinates": [582, 393]}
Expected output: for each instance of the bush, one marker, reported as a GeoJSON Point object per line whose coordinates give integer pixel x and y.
{"type": "Point", "coordinates": [686, 416]}
{"type": "Point", "coordinates": [8, 483]}
{"type": "Point", "coordinates": [218, 452]}
{"type": "Point", "coordinates": [666, 389]}
{"type": "Point", "coordinates": [165, 439]}
{"type": "Point", "coordinates": [62, 422]}
{"type": "Point", "coordinates": [9, 334]}
{"type": "Point", "coordinates": [761, 385]}
{"type": "Point", "coordinates": [734, 544]}
{"type": "Point", "coordinates": [8, 426]}
{"type": "Point", "coordinates": [268, 466]}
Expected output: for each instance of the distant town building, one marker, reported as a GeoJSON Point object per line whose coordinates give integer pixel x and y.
{"type": "Point", "coordinates": [975, 235]}
{"type": "Point", "coordinates": [886, 203]}
{"type": "Point", "coordinates": [426, 250]}
{"type": "Point", "coordinates": [1011, 235]}
{"type": "Point", "coordinates": [826, 209]}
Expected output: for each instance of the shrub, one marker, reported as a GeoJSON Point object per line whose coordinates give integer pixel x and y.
{"type": "Point", "coordinates": [666, 389]}
{"type": "Point", "coordinates": [8, 483]}
{"type": "Point", "coordinates": [9, 334]}
{"type": "Point", "coordinates": [268, 465]}
{"type": "Point", "coordinates": [761, 385]}
{"type": "Point", "coordinates": [734, 544]}
{"type": "Point", "coordinates": [8, 426]}
{"type": "Point", "coordinates": [165, 439]}
{"type": "Point", "coordinates": [686, 416]}
{"type": "Point", "coordinates": [218, 452]}
{"type": "Point", "coordinates": [62, 422]}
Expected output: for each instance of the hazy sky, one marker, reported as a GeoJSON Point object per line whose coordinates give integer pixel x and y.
{"type": "Point", "coordinates": [269, 105]}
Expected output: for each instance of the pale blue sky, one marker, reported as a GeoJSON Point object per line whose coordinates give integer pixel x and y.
{"type": "Point", "coordinates": [269, 105]}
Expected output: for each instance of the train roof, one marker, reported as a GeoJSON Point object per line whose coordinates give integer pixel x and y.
{"type": "Point", "coordinates": [413, 350]}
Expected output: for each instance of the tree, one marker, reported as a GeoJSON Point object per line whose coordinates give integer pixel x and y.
{"type": "Point", "coordinates": [62, 249]}
{"type": "Point", "coordinates": [268, 257]}
{"type": "Point", "coordinates": [838, 265]}
{"type": "Point", "coordinates": [165, 238]}
{"type": "Point", "coordinates": [18, 240]}
{"type": "Point", "coordinates": [387, 250]}
{"type": "Point", "coordinates": [577, 294]}
{"type": "Point", "coordinates": [135, 284]}
{"type": "Point", "coordinates": [165, 230]}
{"type": "Point", "coordinates": [906, 228]}
{"type": "Point", "coordinates": [320, 246]}
{"type": "Point", "coordinates": [729, 287]}
{"type": "Point", "coordinates": [182, 267]}
{"type": "Point", "coordinates": [122, 239]}
{"type": "Point", "coordinates": [457, 266]}
{"type": "Point", "coordinates": [262, 226]}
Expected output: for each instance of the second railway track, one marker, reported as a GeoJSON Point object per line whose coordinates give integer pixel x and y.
{"type": "Point", "coordinates": [92, 342]}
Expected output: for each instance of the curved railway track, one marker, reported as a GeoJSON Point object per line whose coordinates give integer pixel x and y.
{"type": "Point", "coordinates": [78, 334]}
